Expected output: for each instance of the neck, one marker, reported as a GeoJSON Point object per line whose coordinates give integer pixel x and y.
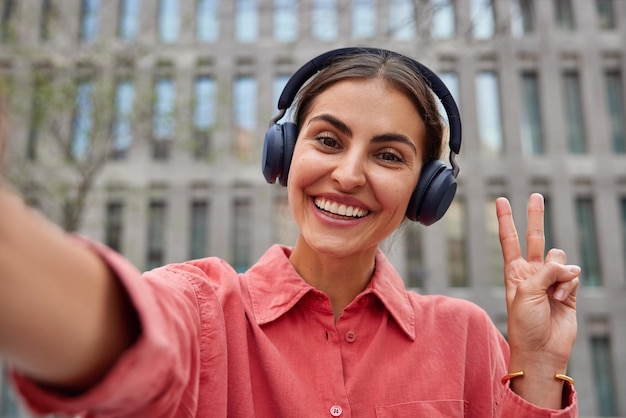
{"type": "Point", "coordinates": [341, 278]}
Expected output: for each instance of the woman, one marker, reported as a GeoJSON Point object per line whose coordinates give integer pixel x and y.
{"type": "Point", "coordinates": [325, 328]}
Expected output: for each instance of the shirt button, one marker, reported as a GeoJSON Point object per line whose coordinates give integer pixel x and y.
{"type": "Point", "coordinates": [336, 410]}
{"type": "Point", "coordinates": [350, 336]}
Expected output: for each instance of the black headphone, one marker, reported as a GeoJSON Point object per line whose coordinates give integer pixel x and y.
{"type": "Point", "coordinates": [437, 183]}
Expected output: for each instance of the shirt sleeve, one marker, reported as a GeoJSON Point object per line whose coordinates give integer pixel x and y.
{"type": "Point", "coordinates": [514, 406]}
{"type": "Point", "coordinates": [158, 374]}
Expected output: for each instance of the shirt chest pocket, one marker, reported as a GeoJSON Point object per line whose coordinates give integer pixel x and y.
{"type": "Point", "coordinates": [423, 409]}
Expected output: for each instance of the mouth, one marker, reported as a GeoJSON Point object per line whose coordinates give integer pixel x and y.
{"type": "Point", "coordinates": [340, 209]}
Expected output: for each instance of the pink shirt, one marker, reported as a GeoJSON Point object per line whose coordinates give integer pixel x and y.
{"type": "Point", "coordinates": [216, 343]}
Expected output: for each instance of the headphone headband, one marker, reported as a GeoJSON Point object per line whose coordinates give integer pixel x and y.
{"type": "Point", "coordinates": [308, 70]}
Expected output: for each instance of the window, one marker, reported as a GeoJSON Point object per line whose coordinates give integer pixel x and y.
{"type": "Point", "coordinates": [83, 120]}
{"type": "Point", "coordinates": [207, 20]}
{"type": "Point", "coordinates": [278, 85]}
{"type": "Point", "coordinates": [414, 255]}
{"type": "Point", "coordinates": [363, 19]}
{"type": "Point", "coordinates": [169, 21]}
{"type": "Point", "coordinates": [198, 234]}
{"type": "Point", "coordinates": [203, 115]}
{"type": "Point", "coordinates": [456, 240]}
{"type": "Point", "coordinates": [324, 24]}
{"type": "Point", "coordinates": [443, 20]}
{"type": "Point", "coordinates": [128, 24]}
{"type": "Point", "coordinates": [496, 261]}
{"type": "Point", "coordinates": [451, 80]}
{"type": "Point", "coordinates": [532, 137]}
{"type": "Point", "coordinates": [122, 125]}
{"type": "Point", "coordinates": [45, 20]}
{"type": "Point", "coordinates": [615, 105]}
{"type": "Point", "coordinates": [7, 25]}
{"type": "Point", "coordinates": [574, 113]}
{"type": "Point", "coordinates": [402, 19]}
{"type": "Point", "coordinates": [285, 227]}
{"type": "Point", "coordinates": [246, 20]}
{"type": "Point", "coordinates": [547, 223]}
{"type": "Point", "coordinates": [623, 213]}
{"type": "Point", "coordinates": [587, 242]}
{"type": "Point", "coordinates": [522, 17]}
{"type": "Point", "coordinates": [241, 233]}
{"type": "Point", "coordinates": [156, 234]}
{"type": "Point", "coordinates": [564, 15]}
{"type": "Point", "coordinates": [606, 14]}
{"type": "Point", "coordinates": [285, 20]}
{"type": "Point", "coordinates": [245, 108]}
{"type": "Point", "coordinates": [483, 22]}
{"type": "Point", "coordinates": [602, 361]}
{"type": "Point", "coordinates": [488, 108]}
{"type": "Point", "coordinates": [164, 117]}
{"type": "Point", "coordinates": [42, 84]}
{"type": "Point", "coordinates": [89, 20]}
{"type": "Point", "coordinates": [114, 225]}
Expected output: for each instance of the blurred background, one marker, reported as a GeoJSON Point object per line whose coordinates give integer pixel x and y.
{"type": "Point", "coordinates": [140, 123]}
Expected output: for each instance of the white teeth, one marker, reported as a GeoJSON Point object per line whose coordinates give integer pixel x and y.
{"type": "Point", "coordinates": [339, 208]}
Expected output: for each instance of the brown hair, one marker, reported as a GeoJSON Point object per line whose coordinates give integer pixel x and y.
{"type": "Point", "coordinates": [391, 68]}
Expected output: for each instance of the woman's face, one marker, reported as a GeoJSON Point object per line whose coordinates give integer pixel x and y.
{"type": "Point", "coordinates": [355, 165]}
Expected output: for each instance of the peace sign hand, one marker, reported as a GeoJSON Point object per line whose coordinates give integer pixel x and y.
{"type": "Point", "coordinates": [541, 303]}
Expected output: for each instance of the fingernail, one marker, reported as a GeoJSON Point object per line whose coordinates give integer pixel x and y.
{"type": "Point", "coordinates": [574, 269]}
{"type": "Point", "coordinates": [559, 294]}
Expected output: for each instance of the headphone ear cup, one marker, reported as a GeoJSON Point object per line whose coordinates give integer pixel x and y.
{"type": "Point", "coordinates": [433, 194]}
{"type": "Point", "coordinates": [278, 148]}
{"type": "Point", "coordinates": [273, 153]}
{"type": "Point", "coordinates": [290, 135]}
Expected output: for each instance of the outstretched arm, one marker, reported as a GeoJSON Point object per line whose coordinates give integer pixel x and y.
{"type": "Point", "coordinates": [541, 304]}
{"type": "Point", "coordinates": [64, 318]}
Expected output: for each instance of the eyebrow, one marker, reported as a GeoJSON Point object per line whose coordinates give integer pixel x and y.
{"type": "Point", "coordinates": [345, 129]}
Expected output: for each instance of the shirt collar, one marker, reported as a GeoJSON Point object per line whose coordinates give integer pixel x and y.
{"type": "Point", "coordinates": [275, 287]}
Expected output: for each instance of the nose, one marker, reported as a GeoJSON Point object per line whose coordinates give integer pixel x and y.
{"type": "Point", "coordinates": [350, 171]}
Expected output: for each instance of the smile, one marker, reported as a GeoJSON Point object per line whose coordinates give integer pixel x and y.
{"type": "Point", "coordinates": [339, 208]}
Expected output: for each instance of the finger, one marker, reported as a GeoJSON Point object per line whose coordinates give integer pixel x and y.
{"type": "Point", "coordinates": [550, 274]}
{"type": "Point", "coordinates": [535, 238]}
{"type": "Point", "coordinates": [566, 289]}
{"type": "Point", "coordinates": [556, 255]}
{"type": "Point", "coordinates": [509, 241]}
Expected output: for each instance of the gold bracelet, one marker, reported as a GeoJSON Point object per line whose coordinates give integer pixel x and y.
{"type": "Point", "coordinates": [559, 376]}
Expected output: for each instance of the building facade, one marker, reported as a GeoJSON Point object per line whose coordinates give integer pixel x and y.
{"type": "Point", "coordinates": [190, 87]}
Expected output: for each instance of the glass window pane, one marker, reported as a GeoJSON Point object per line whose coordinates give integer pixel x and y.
{"type": "Point", "coordinates": [402, 19]}
{"type": "Point", "coordinates": [198, 234]}
{"type": "Point", "coordinates": [324, 24]}
{"type": "Point", "coordinates": [574, 113]}
{"type": "Point", "coordinates": [413, 240]}
{"type": "Point", "coordinates": [45, 22]}
{"type": "Point", "coordinates": [207, 20]}
{"type": "Point", "coordinates": [564, 14]}
{"type": "Point", "coordinates": [83, 120]}
{"type": "Point", "coordinates": [483, 21]}
{"type": "Point", "coordinates": [204, 114]}
{"type": "Point", "coordinates": [114, 225]}
{"type": "Point", "coordinates": [615, 105]}
{"type": "Point", "coordinates": [156, 234]}
{"type": "Point", "coordinates": [285, 20]}
{"type": "Point", "coordinates": [496, 261]}
{"type": "Point", "coordinates": [122, 128]}
{"type": "Point", "coordinates": [128, 25]}
{"type": "Point", "coordinates": [532, 137]}
{"type": "Point", "coordinates": [245, 103]}
{"type": "Point", "coordinates": [246, 20]}
{"type": "Point", "coordinates": [488, 108]}
{"type": "Point", "coordinates": [7, 24]}
{"type": "Point", "coordinates": [363, 19]}
{"type": "Point", "coordinates": [588, 242]}
{"type": "Point", "coordinates": [522, 17]}
{"type": "Point", "coordinates": [89, 20]}
{"type": "Point", "coordinates": [606, 14]}
{"type": "Point", "coordinates": [456, 233]}
{"type": "Point", "coordinates": [169, 20]}
{"type": "Point", "coordinates": [163, 122]}
{"type": "Point", "coordinates": [443, 20]}
{"type": "Point", "coordinates": [603, 366]}
{"type": "Point", "coordinates": [241, 234]}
